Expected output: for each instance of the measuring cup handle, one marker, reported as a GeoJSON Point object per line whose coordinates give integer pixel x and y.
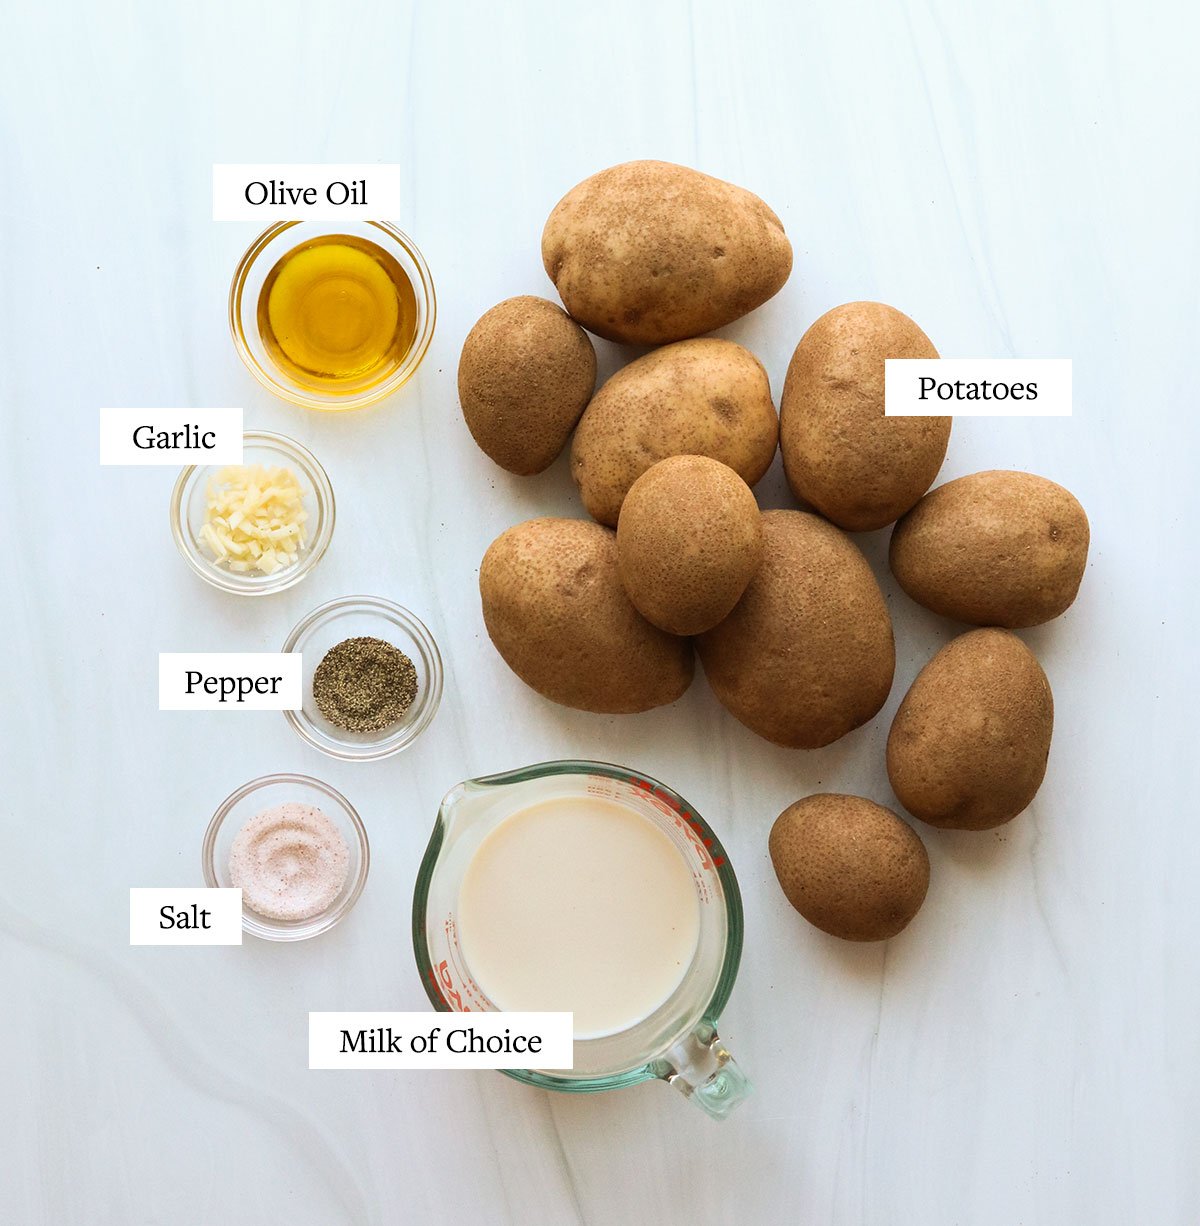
{"type": "Point", "coordinates": [701, 1068]}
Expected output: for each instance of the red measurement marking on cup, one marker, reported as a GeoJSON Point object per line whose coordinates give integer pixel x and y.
{"type": "Point", "coordinates": [443, 985]}
{"type": "Point", "coordinates": [456, 979]}
{"type": "Point", "coordinates": [684, 819]}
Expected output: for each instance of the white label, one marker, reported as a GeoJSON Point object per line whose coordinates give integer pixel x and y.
{"type": "Point", "coordinates": [170, 436]}
{"type": "Point", "coordinates": [250, 191]}
{"type": "Point", "coordinates": [230, 681]}
{"type": "Point", "coordinates": [190, 915]}
{"type": "Point", "coordinates": [977, 387]}
{"type": "Point", "coordinates": [440, 1040]}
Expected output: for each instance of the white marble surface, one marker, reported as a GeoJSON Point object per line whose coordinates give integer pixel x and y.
{"type": "Point", "coordinates": [1020, 178]}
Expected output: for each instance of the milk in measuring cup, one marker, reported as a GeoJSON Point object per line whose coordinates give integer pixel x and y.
{"type": "Point", "coordinates": [579, 904]}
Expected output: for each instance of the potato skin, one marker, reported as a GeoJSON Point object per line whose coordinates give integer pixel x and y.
{"type": "Point", "coordinates": [705, 397]}
{"type": "Point", "coordinates": [993, 549]}
{"type": "Point", "coordinates": [842, 456]}
{"type": "Point", "coordinates": [555, 609]}
{"type": "Point", "coordinates": [525, 376]}
{"type": "Point", "coordinates": [849, 866]}
{"type": "Point", "coordinates": [689, 539]}
{"type": "Point", "coordinates": [651, 252]}
{"type": "Point", "coordinates": [969, 744]}
{"type": "Point", "coordinates": [807, 654]}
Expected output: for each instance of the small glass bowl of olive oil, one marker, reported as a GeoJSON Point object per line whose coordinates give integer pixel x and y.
{"type": "Point", "coordinates": [332, 316]}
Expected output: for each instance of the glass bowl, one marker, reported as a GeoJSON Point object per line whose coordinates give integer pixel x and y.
{"type": "Point", "coordinates": [255, 266]}
{"type": "Point", "coordinates": [265, 793]}
{"type": "Point", "coordinates": [370, 616]}
{"type": "Point", "coordinates": [188, 510]}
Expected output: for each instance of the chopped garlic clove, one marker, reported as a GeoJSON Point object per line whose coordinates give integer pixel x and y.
{"type": "Point", "coordinates": [254, 519]}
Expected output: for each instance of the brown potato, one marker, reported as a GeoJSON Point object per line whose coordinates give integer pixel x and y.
{"type": "Point", "coordinates": [993, 549]}
{"type": "Point", "coordinates": [688, 541]}
{"type": "Point", "coordinates": [842, 456]}
{"type": "Point", "coordinates": [705, 397]}
{"type": "Point", "coordinates": [525, 376]}
{"type": "Point", "coordinates": [807, 654]}
{"type": "Point", "coordinates": [650, 252]}
{"type": "Point", "coordinates": [969, 744]}
{"type": "Point", "coordinates": [554, 607]}
{"type": "Point", "coordinates": [849, 866]}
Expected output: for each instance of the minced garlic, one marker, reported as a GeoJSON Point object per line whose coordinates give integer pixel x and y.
{"type": "Point", "coordinates": [255, 518]}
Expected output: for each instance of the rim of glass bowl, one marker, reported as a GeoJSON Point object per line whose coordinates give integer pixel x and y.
{"type": "Point", "coordinates": [429, 696]}
{"type": "Point", "coordinates": [273, 930]}
{"type": "Point", "coordinates": [307, 398]}
{"type": "Point", "coordinates": [326, 512]}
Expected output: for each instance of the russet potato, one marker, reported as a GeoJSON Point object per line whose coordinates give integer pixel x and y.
{"type": "Point", "coordinates": [554, 607]}
{"type": "Point", "coordinates": [842, 456]}
{"type": "Point", "coordinates": [993, 549]}
{"type": "Point", "coordinates": [851, 867]}
{"type": "Point", "coordinates": [807, 654]}
{"type": "Point", "coordinates": [705, 397]}
{"type": "Point", "coordinates": [651, 252]}
{"type": "Point", "coordinates": [969, 744]}
{"type": "Point", "coordinates": [688, 541]}
{"type": "Point", "coordinates": [525, 376]}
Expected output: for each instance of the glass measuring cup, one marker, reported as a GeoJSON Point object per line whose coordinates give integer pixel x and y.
{"type": "Point", "coordinates": [678, 1042]}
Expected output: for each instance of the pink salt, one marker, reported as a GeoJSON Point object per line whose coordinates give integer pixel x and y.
{"type": "Point", "coordinates": [291, 862]}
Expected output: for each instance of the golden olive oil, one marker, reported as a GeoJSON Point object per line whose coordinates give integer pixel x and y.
{"type": "Point", "coordinates": [337, 313]}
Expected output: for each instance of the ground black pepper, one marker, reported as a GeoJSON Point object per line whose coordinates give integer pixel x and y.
{"type": "Point", "coordinates": [364, 685]}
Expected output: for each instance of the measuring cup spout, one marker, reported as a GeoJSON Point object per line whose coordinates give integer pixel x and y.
{"type": "Point", "coordinates": [464, 803]}
{"type": "Point", "coordinates": [452, 803]}
{"type": "Point", "coordinates": [702, 1069]}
